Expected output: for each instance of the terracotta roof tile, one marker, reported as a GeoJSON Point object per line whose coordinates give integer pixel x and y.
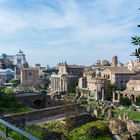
{"type": "Point", "coordinates": [119, 70]}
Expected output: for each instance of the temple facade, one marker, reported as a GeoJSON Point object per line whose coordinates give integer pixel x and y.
{"type": "Point", "coordinates": [66, 79]}
{"type": "Point", "coordinates": [132, 90]}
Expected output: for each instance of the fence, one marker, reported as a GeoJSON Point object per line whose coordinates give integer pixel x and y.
{"type": "Point", "coordinates": [8, 126]}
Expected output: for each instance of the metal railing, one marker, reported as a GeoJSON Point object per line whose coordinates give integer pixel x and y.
{"type": "Point", "coordinates": [16, 129]}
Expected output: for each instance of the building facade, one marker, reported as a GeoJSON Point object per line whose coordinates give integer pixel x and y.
{"type": "Point", "coordinates": [6, 75]}
{"type": "Point", "coordinates": [75, 70]}
{"type": "Point", "coordinates": [96, 87]}
{"type": "Point", "coordinates": [82, 83]}
{"type": "Point", "coordinates": [132, 90]}
{"type": "Point", "coordinates": [18, 60]}
{"type": "Point", "coordinates": [119, 76]}
{"type": "Point", "coordinates": [66, 79]}
{"type": "Point", "coordinates": [93, 87]}
{"type": "Point", "coordinates": [61, 83]}
{"type": "Point", "coordinates": [29, 76]}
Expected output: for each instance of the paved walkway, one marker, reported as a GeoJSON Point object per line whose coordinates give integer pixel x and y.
{"type": "Point", "coordinates": [51, 118]}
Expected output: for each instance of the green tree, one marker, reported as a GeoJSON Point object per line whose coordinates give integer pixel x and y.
{"type": "Point", "coordinates": [6, 100]}
{"type": "Point", "coordinates": [137, 53]}
{"type": "Point", "coordinates": [74, 87]}
{"type": "Point", "coordinates": [46, 85]}
{"type": "Point", "coordinates": [138, 101]}
{"type": "Point", "coordinates": [136, 41]}
{"type": "Point", "coordinates": [8, 90]}
{"type": "Point", "coordinates": [3, 66]}
{"type": "Point", "coordinates": [109, 89]}
{"type": "Point", "coordinates": [125, 101]}
{"type": "Point", "coordinates": [15, 82]}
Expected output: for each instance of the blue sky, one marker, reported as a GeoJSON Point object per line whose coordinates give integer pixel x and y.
{"type": "Point", "coordinates": [78, 31]}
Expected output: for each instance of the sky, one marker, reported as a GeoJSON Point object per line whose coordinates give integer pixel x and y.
{"type": "Point", "coordinates": [76, 31]}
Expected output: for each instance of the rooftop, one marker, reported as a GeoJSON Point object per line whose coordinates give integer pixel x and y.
{"type": "Point", "coordinates": [129, 92]}
{"type": "Point", "coordinates": [137, 77]}
{"type": "Point", "coordinates": [119, 70]}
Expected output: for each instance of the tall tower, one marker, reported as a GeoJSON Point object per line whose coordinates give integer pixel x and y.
{"type": "Point", "coordinates": [114, 61]}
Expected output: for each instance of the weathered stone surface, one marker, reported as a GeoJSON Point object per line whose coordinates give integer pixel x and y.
{"type": "Point", "coordinates": [126, 136]}
{"type": "Point", "coordinates": [93, 131]}
{"type": "Point", "coordinates": [97, 112]}
{"type": "Point", "coordinates": [35, 115]}
{"type": "Point", "coordinates": [54, 136]}
{"type": "Point", "coordinates": [117, 126]}
{"type": "Point", "coordinates": [132, 127]}
{"type": "Point", "coordinates": [81, 119]}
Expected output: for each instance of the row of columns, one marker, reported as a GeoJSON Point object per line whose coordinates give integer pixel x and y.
{"type": "Point", "coordinates": [58, 84]}
{"type": "Point", "coordinates": [100, 95]}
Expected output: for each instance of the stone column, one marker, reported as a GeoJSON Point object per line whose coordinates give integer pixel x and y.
{"type": "Point", "coordinates": [60, 84]}
{"type": "Point", "coordinates": [135, 98]}
{"type": "Point", "coordinates": [52, 83]}
{"type": "Point", "coordinates": [118, 97]}
{"type": "Point", "coordinates": [58, 80]}
{"type": "Point", "coordinates": [113, 97]}
{"type": "Point", "coordinates": [55, 83]}
{"type": "Point", "coordinates": [96, 95]}
{"type": "Point", "coordinates": [97, 92]}
{"type": "Point", "coordinates": [63, 83]}
{"type": "Point", "coordinates": [102, 90]}
{"type": "Point", "coordinates": [66, 84]}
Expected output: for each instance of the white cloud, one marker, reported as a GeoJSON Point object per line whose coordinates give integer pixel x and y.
{"type": "Point", "coordinates": [96, 25]}
{"type": "Point", "coordinates": [10, 22]}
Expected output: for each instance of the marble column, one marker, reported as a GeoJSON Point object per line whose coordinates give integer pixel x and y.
{"type": "Point", "coordinates": [113, 97]}
{"type": "Point", "coordinates": [102, 90]}
{"type": "Point", "coordinates": [118, 96]}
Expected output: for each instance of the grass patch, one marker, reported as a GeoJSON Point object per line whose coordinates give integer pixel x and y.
{"type": "Point", "coordinates": [56, 128]}
{"type": "Point", "coordinates": [13, 134]}
{"type": "Point", "coordinates": [36, 131]}
{"type": "Point", "coordinates": [14, 111]}
{"type": "Point", "coordinates": [138, 135]}
{"type": "Point", "coordinates": [133, 115]}
{"type": "Point", "coordinates": [40, 130]}
{"type": "Point", "coordinates": [80, 133]}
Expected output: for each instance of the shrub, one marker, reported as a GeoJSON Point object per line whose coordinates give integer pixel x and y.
{"type": "Point", "coordinates": [138, 101]}
{"type": "Point", "coordinates": [8, 90]}
{"type": "Point", "coordinates": [81, 132]}
{"type": "Point", "coordinates": [125, 101]}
